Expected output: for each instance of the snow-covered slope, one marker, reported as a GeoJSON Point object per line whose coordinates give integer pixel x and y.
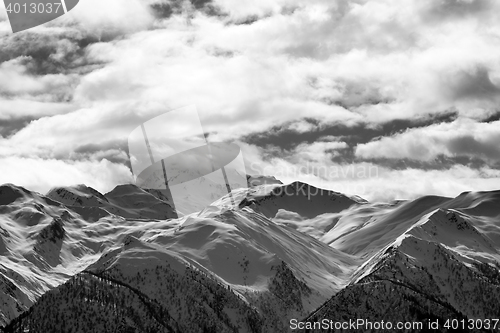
{"type": "Point", "coordinates": [189, 190]}
{"type": "Point", "coordinates": [263, 262]}
{"type": "Point", "coordinates": [442, 267]}
{"type": "Point", "coordinates": [364, 230]}
{"type": "Point", "coordinates": [44, 240]}
{"type": "Point", "coordinates": [250, 261]}
{"type": "Point", "coordinates": [416, 280]}
{"type": "Point", "coordinates": [128, 201]}
{"type": "Point", "coordinates": [246, 253]}
{"type": "Point", "coordinates": [256, 180]}
{"type": "Point", "coordinates": [305, 200]}
{"type": "Point", "coordinates": [484, 204]}
{"type": "Point", "coordinates": [37, 251]}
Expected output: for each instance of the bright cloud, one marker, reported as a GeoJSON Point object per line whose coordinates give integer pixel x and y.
{"type": "Point", "coordinates": [92, 76]}
{"type": "Point", "coordinates": [371, 181]}
{"type": "Point", "coordinates": [42, 174]}
{"type": "Point", "coordinates": [463, 137]}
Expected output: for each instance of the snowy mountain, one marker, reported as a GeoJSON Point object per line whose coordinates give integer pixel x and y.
{"type": "Point", "coordinates": [47, 239]}
{"type": "Point", "coordinates": [191, 190]}
{"type": "Point", "coordinates": [443, 267]}
{"type": "Point", "coordinates": [128, 201]}
{"type": "Point", "coordinates": [81, 261]}
{"type": "Point", "coordinates": [300, 198]}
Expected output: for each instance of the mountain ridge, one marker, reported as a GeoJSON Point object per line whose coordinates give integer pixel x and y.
{"type": "Point", "coordinates": [283, 250]}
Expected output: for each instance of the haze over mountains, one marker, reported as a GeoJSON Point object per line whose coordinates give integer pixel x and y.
{"type": "Point", "coordinates": [76, 260]}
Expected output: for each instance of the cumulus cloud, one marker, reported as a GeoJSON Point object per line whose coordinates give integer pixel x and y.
{"type": "Point", "coordinates": [42, 174]}
{"type": "Point", "coordinates": [318, 151]}
{"type": "Point", "coordinates": [110, 17]}
{"type": "Point", "coordinates": [14, 80]}
{"type": "Point", "coordinates": [463, 137]}
{"type": "Point", "coordinates": [92, 76]}
{"type": "Point", "coordinates": [372, 181]}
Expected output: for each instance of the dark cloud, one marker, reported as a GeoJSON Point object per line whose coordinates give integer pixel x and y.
{"type": "Point", "coordinates": [165, 9]}
{"type": "Point", "coordinates": [495, 116]}
{"type": "Point", "coordinates": [468, 146]}
{"type": "Point", "coordinates": [464, 141]}
{"type": "Point", "coordinates": [92, 148]}
{"type": "Point", "coordinates": [441, 163]}
{"type": "Point", "coordinates": [9, 127]}
{"type": "Point", "coordinates": [474, 85]}
{"type": "Point", "coordinates": [114, 151]}
{"type": "Point", "coordinates": [280, 141]}
{"type": "Point", "coordinates": [449, 9]}
{"type": "Point", "coordinates": [284, 138]}
{"type": "Point", "coordinates": [199, 4]}
{"type": "Point", "coordinates": [43, 54]}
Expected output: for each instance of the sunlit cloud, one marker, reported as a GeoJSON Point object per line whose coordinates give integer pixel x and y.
{"type": "Point", "coordinates": [90, 77]}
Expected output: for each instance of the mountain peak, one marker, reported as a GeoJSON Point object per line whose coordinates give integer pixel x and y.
{"type": "Point", "coordinates": [304, 199]}
{"type": "Point", "coordinates": [124, 189]}
{"type": "Point", "coordinates": [256, 180]}
{"type": "Point", "coordinates": [10, 193]}
{"type": "Point", "coordinates": [79, 195]}
{"type": "Point", "coordinates": [294, 246]}
{"type": "Point", "coordinates": [133, 201]}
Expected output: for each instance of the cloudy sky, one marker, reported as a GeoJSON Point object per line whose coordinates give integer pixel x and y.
{"type": "Point", "coordinates": [381, 98]}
